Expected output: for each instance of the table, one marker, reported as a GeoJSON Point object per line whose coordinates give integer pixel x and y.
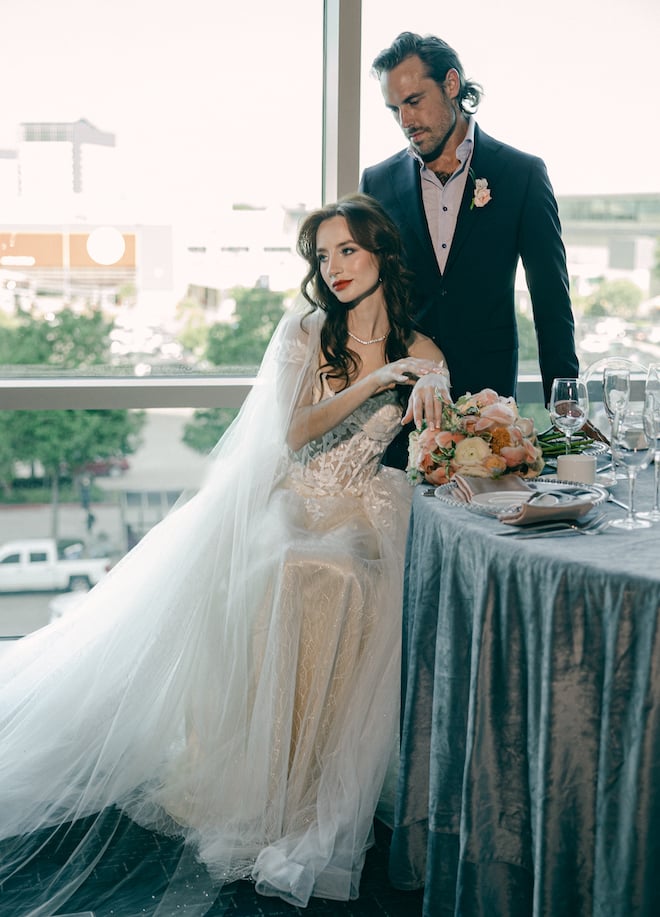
{"type": "Point", "coordinates": [530, 745]}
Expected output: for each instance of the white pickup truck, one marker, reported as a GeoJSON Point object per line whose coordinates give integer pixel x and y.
{"type": "Point", "coordinates": [36, 565]}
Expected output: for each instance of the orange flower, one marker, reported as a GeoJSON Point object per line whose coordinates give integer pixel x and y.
{"type": "Point", "coordinates": [495, 465]}
{"type": "Point", "coordinates": [500, 439]}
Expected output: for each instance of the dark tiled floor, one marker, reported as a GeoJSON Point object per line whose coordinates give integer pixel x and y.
{"type": "Point", "coordinates": [139, 860]}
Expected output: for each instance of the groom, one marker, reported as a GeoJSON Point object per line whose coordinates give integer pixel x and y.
{"type": "Point", "coordinates": [468, 208]}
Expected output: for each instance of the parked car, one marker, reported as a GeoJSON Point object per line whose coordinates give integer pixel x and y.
{"type": "Point", "coordinates": [37, 565]}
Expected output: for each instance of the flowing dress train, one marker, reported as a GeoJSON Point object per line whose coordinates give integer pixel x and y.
{"type": "Point", "coordinates": [234, 681]}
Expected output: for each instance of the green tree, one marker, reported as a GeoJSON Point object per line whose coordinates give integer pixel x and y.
{"type": "Point", "coordinates": [613, 297]}
{"type": "Point", "coordinates": [194, 331]}
{"type": "Point", "coordinates": [61, 441]}
{"type": "Point", "coordinates": [528, 351]}
{"type": "Point", "coordinates": [68, 340]}
{"type": "Point", "coordinates": [206, 428]}
{"type": "Point", "coordinates": [239, 343]}
{"type": "Point", "coordinates": [243, 341]}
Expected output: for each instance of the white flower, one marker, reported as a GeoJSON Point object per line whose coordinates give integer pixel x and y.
{"type": "Point", "coordinates": [471, 451]}
{"type": "Point", "coordinates": [481, 193]}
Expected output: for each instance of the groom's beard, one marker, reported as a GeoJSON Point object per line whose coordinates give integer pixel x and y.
{"type": "Point", "coordinates": [438, 150]}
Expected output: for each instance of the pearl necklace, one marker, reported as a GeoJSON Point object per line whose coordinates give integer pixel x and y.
{"type": "Point", "coordinates": [372, 341]}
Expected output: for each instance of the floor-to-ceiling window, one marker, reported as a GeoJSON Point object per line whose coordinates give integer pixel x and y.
{"type": "Point", "coordinates": [155, 159]}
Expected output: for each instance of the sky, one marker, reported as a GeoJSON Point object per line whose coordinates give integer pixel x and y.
{"type": "Point", "coordinates": [213, 101]}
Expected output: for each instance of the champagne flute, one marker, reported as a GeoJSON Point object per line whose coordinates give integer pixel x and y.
{"type": "Point", "coordinates": [616, 393]}
{"type": "Point", "coordinates": [631, 446]}
{"type": "Point", "coordinates": [652, 409]}
{"type": "Point", "coordinates": [569, 407]}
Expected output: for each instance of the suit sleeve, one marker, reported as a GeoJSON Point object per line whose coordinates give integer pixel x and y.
{"type": "Point", "coordinates": [544, 259]}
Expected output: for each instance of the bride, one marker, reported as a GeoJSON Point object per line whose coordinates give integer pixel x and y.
{"type": "Point", "coordinates": [234, 680]}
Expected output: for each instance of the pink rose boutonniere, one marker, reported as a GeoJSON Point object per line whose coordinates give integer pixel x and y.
{"type": "Point", "coordinates": [481, 191]}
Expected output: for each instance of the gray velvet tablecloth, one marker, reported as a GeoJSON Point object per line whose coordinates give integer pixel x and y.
{"type": "Point", "coordinates": [530, 747]}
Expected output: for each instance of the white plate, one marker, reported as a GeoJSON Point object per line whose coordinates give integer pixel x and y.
{"type": "Point", "coordinates": [491, 503]}
{"type": "Point", "coordinates": [603, 478]}
{"type": "Point", "coordinates": [502, 499]}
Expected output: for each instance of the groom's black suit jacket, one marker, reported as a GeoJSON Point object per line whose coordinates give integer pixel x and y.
{"type": "Point", "coordinates": [468, 309]}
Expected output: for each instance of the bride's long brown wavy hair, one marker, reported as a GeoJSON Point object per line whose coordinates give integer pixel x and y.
{"type": "Point", "coordinates": [373, 230]}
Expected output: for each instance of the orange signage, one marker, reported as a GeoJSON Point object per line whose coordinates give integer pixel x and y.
{"type": "Point", "coordinates": [56, 250]}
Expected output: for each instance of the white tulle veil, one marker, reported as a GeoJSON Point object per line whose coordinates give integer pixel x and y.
{"type": "Point", "coordinates": [92, 705]}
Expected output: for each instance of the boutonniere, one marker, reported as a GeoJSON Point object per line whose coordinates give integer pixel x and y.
{"type": "Point", "coordinates": [481, 191]}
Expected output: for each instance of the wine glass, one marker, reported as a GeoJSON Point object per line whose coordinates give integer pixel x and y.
{"type": "Point", "coordinates": [616, 393]}
{"type": "Point", "coordinates": [652, 409]}
{"type": "Point", "coordinates": [569, 407]}
{"type": "Point", "coordinates": [632, 447]}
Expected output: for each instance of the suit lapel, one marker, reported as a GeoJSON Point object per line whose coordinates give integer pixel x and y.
{"type": "Point", "coordinates": [483, 165]}
{"type": "Point", "coordinates": [407, 187]}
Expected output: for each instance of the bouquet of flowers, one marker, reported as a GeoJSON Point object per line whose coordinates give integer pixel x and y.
{"type": "Point", "coordinates": [481, 435]}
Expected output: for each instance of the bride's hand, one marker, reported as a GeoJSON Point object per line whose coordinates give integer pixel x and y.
{"type": "Point", "coordinates": [406, 371]}
{"type": "Point", "coordinates": [424, 404]}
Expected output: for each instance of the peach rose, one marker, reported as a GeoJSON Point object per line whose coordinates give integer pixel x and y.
{"type": "Point", "coordinates": [514, 455]}
{"type": "Point", "coordinates": [437, 475]}
{"type": "Point", "coordinates": [481, 192]}
{"type": "Point", "coordinates": [498, 414]}
{"type": "Point", "coordinates": [532, 453]}
{"type": "Point", "coordinates": [525, 425]}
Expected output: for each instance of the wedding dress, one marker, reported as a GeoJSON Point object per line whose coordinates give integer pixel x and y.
{"type": "Point", "coordinates": [234, 680]}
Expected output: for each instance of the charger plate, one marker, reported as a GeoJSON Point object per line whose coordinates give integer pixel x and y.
{"type": "Point", "coordinates": [492, 503]}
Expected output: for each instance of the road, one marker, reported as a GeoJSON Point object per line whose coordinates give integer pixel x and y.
{"type": "Point", "coordinates": [23, 612]}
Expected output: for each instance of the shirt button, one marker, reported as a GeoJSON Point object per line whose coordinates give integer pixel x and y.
{"type": "Point", "coordinates": [444, 245]}
{"type": "Point", "coordinates": [445, 209]}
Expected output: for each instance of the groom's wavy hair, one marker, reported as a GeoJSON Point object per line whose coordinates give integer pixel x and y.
{"type": "Point", "coordinates": [438, 58]}
{"type": "Point", "coordinates": [375, 232]}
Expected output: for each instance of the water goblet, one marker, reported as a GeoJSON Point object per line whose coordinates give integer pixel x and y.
{"type": "Point", "coordinates": [632, 447]}
{"type": "Point", "coordinates": [616, 393]}
{"type": "Point", "coordinates": [569, 407]}
{"type": "Point", "coordinates": [652, 413]}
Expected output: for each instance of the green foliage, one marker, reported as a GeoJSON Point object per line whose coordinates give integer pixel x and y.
{"type": "Point", "coordinates": [61, 441]}
{"type": "Point", "coordinates": [66, 341]}
{"type": "Point", "coordinates": [244, 340]}
{"type": "Point", "coordinates": [241, 342]}
{"type": "Point", "coordinates": [194, 332]}
{"type": "Point", "coordinates": [621, 298]}
{"type": "Point", "coordinates": [206, 428]}
{"type": "Point", "coordinates": [64, 441]}
{"type": "Point", "coordinates": [527, 346]}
